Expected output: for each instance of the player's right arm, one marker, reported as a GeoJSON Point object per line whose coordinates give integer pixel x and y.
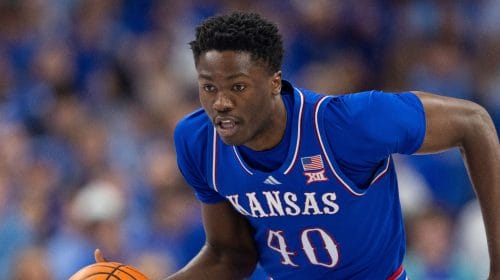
{"type": "Point", "coordinates": [229, 251]}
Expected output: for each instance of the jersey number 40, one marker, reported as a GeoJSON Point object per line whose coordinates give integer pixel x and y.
{"type": "Point", "coordinates": [277, 242]}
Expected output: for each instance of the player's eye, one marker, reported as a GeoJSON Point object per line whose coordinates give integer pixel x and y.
{"type": "Point", "coordinates": [209, 88]}
{"type": "Point", "coordinates": [239, 87]}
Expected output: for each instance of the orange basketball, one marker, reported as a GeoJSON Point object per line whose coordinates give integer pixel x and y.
{"type": "Point", "coordinates": [110, 271]}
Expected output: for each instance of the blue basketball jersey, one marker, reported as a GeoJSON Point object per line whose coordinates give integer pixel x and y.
{"type": "Point", "coordinates": [311, 220]}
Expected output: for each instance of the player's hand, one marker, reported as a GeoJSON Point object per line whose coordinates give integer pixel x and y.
{"type": "Point", "coordinates": [98, 256]}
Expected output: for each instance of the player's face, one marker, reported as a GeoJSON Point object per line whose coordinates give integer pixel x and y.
{"type": "Point", "coordinates": [241, 98]}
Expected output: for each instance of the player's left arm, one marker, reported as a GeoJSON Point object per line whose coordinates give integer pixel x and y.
{"type": "Point", "coordinates": [464, 124]}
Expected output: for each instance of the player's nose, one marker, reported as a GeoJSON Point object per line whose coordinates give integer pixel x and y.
{"type": "Point", "coordinates": [222, 102]}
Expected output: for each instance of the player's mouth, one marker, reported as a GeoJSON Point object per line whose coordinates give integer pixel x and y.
{"type": "Point", "coordinates": [226, 126]}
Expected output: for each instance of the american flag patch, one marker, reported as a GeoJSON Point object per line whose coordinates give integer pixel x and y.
{"type": "Point", "coordinates": [312, 163]}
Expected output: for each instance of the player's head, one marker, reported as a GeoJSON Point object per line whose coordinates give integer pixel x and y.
{"type": "Point", "coordinates": [238, 60]}
{"type": "Point", "coordinates": [241, 32]}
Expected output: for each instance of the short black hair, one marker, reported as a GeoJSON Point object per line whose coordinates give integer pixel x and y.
{"type": "Point", "coordinates": [247, 32]}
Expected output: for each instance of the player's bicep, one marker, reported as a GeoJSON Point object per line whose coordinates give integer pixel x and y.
{"type": "Point", "coordinates": [448, 121]}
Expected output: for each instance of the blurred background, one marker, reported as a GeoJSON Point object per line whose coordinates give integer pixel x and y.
{"type": "Point", "coordinates": [91, 90]}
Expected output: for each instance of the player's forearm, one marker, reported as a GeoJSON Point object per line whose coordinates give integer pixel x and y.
{"type": "Point", "coordinates": [481, 151]}
{"type": "Point", "coordinates": [211, 265]}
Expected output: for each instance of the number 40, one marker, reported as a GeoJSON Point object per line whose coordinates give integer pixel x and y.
{"type": "Point", "coordinates": [280, 246]}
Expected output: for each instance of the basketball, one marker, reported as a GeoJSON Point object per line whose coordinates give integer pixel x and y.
{"type": "Point", "coordinates": [108, 270]}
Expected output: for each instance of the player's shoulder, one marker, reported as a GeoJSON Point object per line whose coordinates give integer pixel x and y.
{"type": "Point", "coordinates": [373, 101]}
{"type": "Point", "coordinates": [193, 121]}
{"type": "Point", "coordinates": [356, 101]}
{"type": "Point", "coordinates": [193, 127]}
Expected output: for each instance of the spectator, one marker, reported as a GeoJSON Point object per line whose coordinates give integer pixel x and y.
{"type": "Point", "coordinates": [431, 254]}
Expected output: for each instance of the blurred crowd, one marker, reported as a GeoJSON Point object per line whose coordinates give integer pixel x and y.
{"type": "Point", "coordinates": [90, 92]}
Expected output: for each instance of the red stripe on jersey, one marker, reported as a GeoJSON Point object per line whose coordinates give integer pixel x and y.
{"type": "Point", "coordinates": [396, 274]}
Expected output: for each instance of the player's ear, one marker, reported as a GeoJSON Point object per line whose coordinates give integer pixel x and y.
{"type": "Point", "coordinates": [276, 83]}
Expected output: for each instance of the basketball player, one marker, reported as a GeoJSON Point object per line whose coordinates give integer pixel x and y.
{"type": "Point", "coordinates": [303, 183]}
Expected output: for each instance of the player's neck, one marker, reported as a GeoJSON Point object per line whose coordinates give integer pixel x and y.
{"type": "Point", "coordinates": [272, 134]}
